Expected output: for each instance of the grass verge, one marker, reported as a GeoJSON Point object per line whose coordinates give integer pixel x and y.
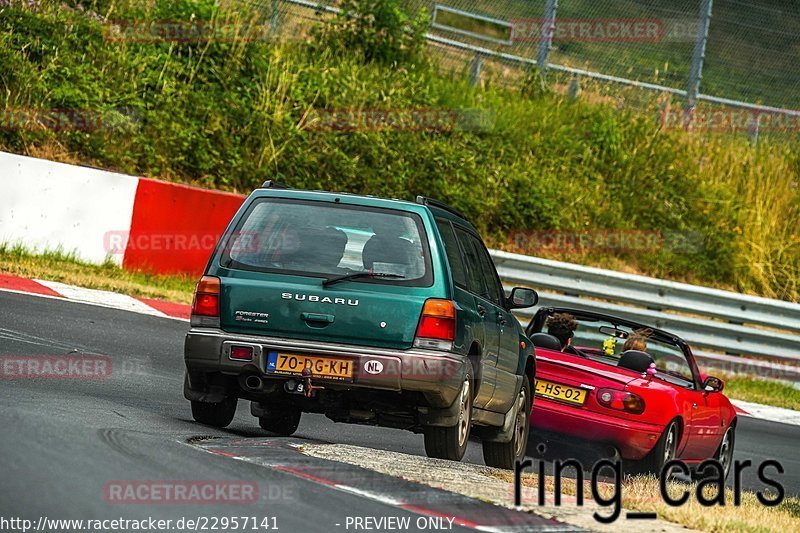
{"type": "Point", "coordinates": [66, 268]}
{"type": "Point", "coordinates": [763, 391]}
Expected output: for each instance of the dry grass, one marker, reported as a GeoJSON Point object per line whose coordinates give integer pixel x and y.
{"type": "Point", "coordinates": [769, 248]}
{"type": "Point", "coordinates": [642, 494]}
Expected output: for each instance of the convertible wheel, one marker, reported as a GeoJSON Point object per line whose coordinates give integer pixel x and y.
{"type": "Point", "coordinates": [665, 450]}
{"type": "Point", "coordinates": [506, 454]}
{"type": "Point", "coordinates": [451, 442]}
{"type": "Point", "coordinates": [725, 451]}
{"type": "Point", "coordinates": [219, 415]}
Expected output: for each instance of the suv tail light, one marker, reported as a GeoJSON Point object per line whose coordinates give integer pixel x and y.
{"type": "Point", "coordinates": [241, 353]}
{"type": "Point", "coordinates": [437, 325]}
{"type": "Point", "coordinates": [621, 401]}
{"type": "Point", "coordinates": [205, 308]}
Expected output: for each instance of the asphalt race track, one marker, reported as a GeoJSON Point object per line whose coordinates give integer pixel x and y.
{"type": "Point", "coordinates": [63, 440]}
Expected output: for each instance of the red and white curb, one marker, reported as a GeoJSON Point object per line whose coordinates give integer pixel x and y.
{"type": "Point", "coordinates": [112, 300]}
{"type": "Point", "coordinates": [767, 412]}
{"type": "Point", "coordinates": [137, 223]}
{"type": "Point", "coordinates": [144, 306]}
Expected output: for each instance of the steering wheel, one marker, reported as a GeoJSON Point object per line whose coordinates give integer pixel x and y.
{"type": "Point", "coordinates": [576, 351]}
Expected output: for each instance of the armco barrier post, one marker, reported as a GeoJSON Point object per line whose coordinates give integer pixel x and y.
{"type": "Point", "coordinates": [274, 19]}
{"type": "Point", "coordinates": [548, 28]}
{"type": "Point", "coordinates": [475, 68]}
{"type": "Point", "coordinates": [696, 73]}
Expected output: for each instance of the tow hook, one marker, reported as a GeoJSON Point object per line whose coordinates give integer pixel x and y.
{"type": "Point", "coordinates": [304, 387]}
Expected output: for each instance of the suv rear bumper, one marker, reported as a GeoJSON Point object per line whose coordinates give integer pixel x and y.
{"type": "Point", "coordinates": [438, 375]}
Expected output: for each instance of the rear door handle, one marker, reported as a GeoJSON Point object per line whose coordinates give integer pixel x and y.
{"type": "Point", "coordinates": [481, 310]}
{"type": "Point", "coordinates": [502, 321]}
{"type": "Point", "coordinates": [317, 317]}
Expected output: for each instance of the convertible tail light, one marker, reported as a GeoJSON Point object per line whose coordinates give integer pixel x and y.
{"type": "Point", "coordinates": [205, 308]}
{"type": "Point", "coordinates": [437, 325]}
{"type": "Point", "coordinates": [621, 401]}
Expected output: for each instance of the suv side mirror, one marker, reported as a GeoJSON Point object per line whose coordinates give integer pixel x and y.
{"type": "Point", "coordinates": [712, 384]}
{"type": "Point", "coordinates": [522, 298]}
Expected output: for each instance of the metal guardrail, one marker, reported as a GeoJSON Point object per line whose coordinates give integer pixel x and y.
{"type": "Point", "coordinates": [720, 326]}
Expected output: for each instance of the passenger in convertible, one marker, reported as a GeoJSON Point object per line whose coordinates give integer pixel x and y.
{"type": "Point", "coordinates": [636, 341]}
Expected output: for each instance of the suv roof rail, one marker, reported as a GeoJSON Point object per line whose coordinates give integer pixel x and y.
{"type": "Point", "coordinates": [424, 200]}
{"type": "Point", "coordinates": [272, 184]}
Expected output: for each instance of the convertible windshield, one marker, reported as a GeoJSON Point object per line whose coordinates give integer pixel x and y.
{"type": "Point", "coordinates": [604, 341]}
{"type": "Point", "coordinates": [330, 241]}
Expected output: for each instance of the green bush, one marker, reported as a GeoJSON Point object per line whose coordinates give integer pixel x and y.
{"type": "Point", "coordinates": [377, 30]}
{"type": "Point", "coordinates": [230, 114]}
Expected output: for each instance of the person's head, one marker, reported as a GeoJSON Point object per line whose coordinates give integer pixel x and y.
{"type": "Point", "coordinates": [562, 326]}
{"type": "Point", "coordinates": [289, 240]}
{"type": "Point", "coordinates": [636, 341]}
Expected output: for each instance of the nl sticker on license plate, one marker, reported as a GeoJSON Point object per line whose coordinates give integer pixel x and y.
{"type": "Point", "coordinates": [322, 367]}
{"type": "Point", "coordinates": [564, 393]}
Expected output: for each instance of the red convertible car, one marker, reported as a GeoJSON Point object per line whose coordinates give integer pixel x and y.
{"type": "Point", "coordinates": [646, 405]}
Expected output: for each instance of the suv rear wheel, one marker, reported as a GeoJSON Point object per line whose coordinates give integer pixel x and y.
{"type": "Point", "coordinates": [283, 423]}
{"type": "Point", "coordinates": [219, 415]}
{"type": "Point", "coordinates": [505, 454]}
{"type": "Point", "coordinates": [451, 442]}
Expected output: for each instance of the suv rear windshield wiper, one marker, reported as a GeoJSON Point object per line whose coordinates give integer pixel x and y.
{"type": "Point", "coordinates": [356, 275]}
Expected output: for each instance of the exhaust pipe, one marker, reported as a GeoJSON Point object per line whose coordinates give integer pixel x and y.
{"type": "Point", "coordinates": [611, 452]}
{"type": "Point", "coordinates": [253, 382]}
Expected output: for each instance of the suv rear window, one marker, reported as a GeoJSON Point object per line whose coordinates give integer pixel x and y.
{"type": "Point", "coordinates": [327, 240]}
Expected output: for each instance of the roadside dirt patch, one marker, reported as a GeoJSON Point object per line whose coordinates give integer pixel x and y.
{"type": "Point", "coordinates": [484, 483]}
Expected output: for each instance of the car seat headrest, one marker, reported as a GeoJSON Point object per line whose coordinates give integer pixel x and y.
{"type": "Point", "coordinates": [635, 360]}
{"type": "Point", "coordinates": [547, 341]}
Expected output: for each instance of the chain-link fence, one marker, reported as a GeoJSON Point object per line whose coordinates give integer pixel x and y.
{"type": "Point", "coordinates": [733, 52]}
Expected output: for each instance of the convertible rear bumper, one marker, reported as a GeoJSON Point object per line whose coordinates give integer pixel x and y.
{"type": "Point", "coordinates": [634, 439]}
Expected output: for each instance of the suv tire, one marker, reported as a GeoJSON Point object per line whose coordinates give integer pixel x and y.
{"type": "Point", "coordinates": [283, 423]}
{"type": "Point", "coordinates": [219, 415]}
{"type": "Point", "coordinates": [450, 442]}
{"type": "Point", "coordinates": [506, 454]}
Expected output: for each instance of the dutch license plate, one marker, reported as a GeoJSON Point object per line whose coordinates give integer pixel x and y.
{"type": "Point", "coordinates": [321, 367]}
{"type": "Point", "coordinates": [555, 391]}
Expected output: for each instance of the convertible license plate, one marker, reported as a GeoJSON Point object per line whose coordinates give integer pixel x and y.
{"type": "Point", "coordinates": [555, 391]}
{"type": "Point", "coordinates": [321, 367]}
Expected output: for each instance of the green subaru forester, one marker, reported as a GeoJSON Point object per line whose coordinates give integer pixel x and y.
{"type": "Point", "coordinates": [368, 310]}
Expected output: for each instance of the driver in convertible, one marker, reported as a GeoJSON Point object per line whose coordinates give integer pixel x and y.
{"type": "Point", "coordinates": [562, 326]}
